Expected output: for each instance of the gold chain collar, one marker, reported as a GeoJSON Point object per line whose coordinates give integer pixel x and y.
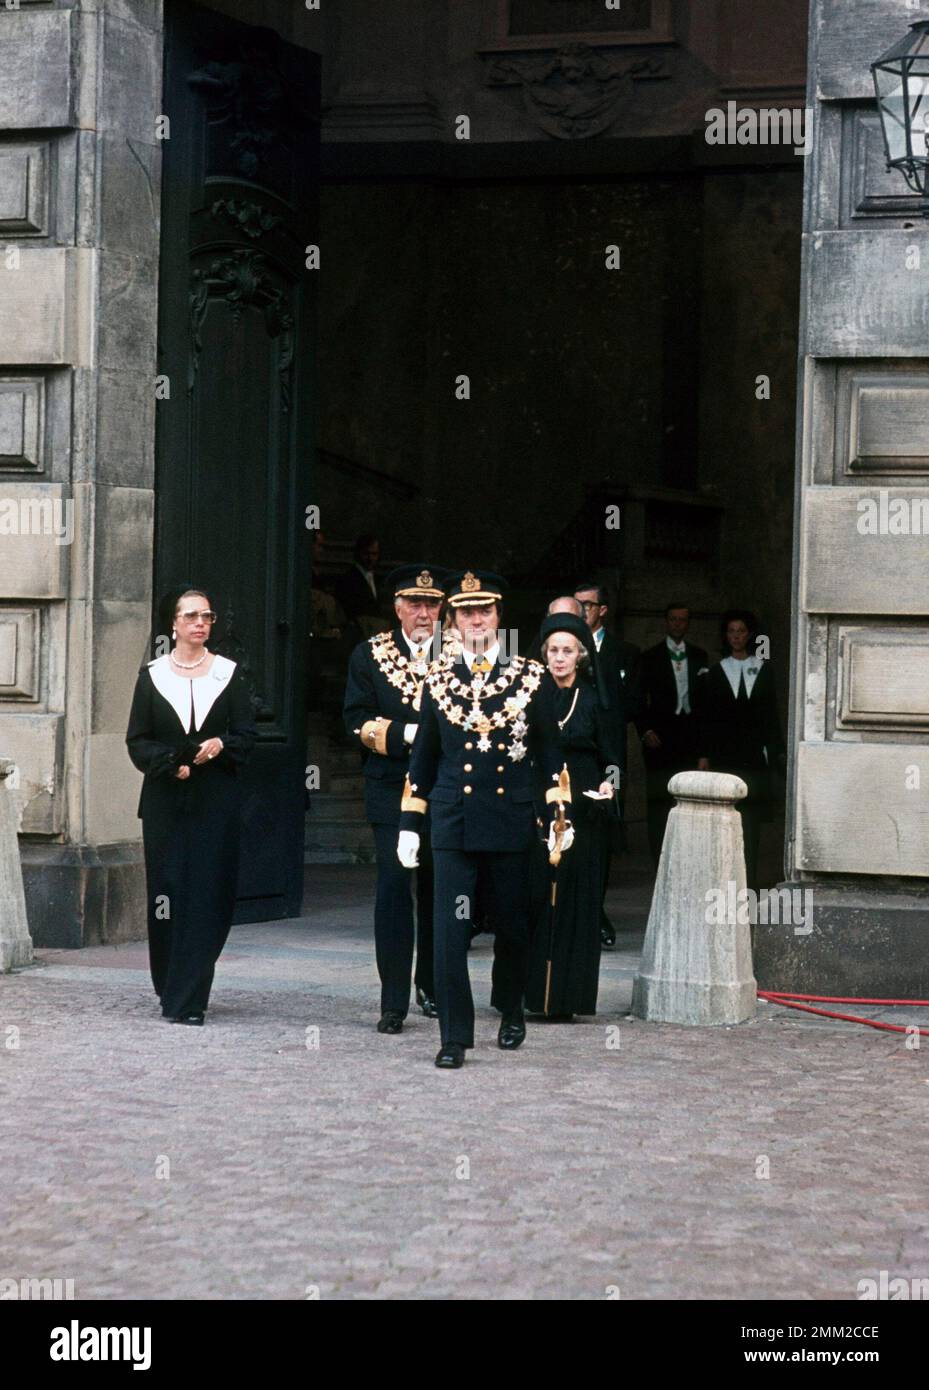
{"type": "Point", "coordinates": [448, 690]}
{"type": "Point", "coordinates": [403, 672]}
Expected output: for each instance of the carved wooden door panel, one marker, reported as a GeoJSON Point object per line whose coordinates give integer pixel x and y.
{"type": "Point", "coordinates": [234, 439]}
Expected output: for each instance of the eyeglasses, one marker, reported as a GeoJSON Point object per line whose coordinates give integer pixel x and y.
{"type": "Point", "coordinates": [206, 615]}
{"type": "Point", "coordinates": [588, 603]}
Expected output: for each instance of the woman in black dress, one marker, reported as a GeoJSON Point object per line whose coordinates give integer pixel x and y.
{"type": "Point", "coordinates": [565, 951]}
{"type": "Point", "coordinates": [190, 731]}
{"type": "Point", "coordinates": [739, 729]}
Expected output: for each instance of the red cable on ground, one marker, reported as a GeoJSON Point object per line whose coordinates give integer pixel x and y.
{"type": "Point", "coordinates": [775, 997]}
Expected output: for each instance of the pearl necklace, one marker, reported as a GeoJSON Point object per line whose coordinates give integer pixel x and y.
{"type": "Point", "coordinates": [190, 665]}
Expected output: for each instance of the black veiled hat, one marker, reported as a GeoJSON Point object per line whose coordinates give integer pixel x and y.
{"type": "Point", "coordinates": [568, 622]}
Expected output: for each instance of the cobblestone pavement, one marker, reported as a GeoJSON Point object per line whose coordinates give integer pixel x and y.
{"type": "Point", "coordinates": [234, 1161]}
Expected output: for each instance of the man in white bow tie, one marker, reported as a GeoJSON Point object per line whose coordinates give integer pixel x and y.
{"type": "Point", "coordinates": [666, 723]}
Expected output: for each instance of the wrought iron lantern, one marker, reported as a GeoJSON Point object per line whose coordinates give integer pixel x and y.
{"type": "Point", "coordinates": [901, 81]}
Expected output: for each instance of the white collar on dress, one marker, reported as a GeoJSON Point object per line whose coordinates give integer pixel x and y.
{"type": "Point", "coordinates": [182, 691]}
{"type": "Point", "coordinates": [735, 670]}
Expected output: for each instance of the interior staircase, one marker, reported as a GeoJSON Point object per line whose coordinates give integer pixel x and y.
{"type": "Point", "coordinates": [336, 829]}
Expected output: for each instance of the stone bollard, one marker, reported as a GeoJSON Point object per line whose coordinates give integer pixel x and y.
{"type": "Point", "coordinates": [15, 941]}
{"type": "Point", "coordinates": [694, 970]}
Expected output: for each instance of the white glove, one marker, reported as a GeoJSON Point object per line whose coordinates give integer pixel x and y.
{"type": "Point", "coordinates": [408, 849]}
{"type": "Point", "coordinates": [409, 732]}
{"type": "Point", "coordinates": [567, 839]}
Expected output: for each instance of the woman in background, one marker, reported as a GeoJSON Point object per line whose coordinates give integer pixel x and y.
{"type": "Point", "coordinates": [190, 731]}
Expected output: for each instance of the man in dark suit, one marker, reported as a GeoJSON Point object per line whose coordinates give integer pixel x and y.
{"type": "Point", "coordinates": [471, 768]}
{"type": "Point", "coordinates": [666, 723]}
{"type": "Point", "coordinates": [357, 589]}
{"type": "Point", "coordinates": [381, 708]}
{"type": "Point", "coordinates": [618, 664]}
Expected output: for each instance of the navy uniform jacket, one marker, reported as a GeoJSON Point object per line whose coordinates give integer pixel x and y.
{"type": "Point", "coordinates": [478, 784]}
{"type": "Point", "coordinates": [382, 683]}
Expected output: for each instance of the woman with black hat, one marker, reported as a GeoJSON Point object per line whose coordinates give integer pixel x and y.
{"type": "Point", "coordinates": [190, 731]}
{"type": "Point", "coordinates": [565, 966]}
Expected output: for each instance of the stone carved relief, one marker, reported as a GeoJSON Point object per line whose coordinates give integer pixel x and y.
{"type": "Point", "coordinates": [250, 218]}
{"type": "Point", "coordinates": [576, 92]}
{"type": "Point", "coordinates": [242, 278]}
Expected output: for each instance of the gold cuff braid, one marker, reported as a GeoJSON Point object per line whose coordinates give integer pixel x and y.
{"type": "Point", "coordinates": [409, 802]}
{"type": "Point", "coordinates": [374, 735]}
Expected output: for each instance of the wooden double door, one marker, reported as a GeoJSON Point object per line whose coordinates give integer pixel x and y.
{"type": "Point", "coordinates": [234, 437]}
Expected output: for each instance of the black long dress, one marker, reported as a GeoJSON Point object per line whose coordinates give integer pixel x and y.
{"type": "Point", "coordinates": [741, 734]}
{"type": "Point", "coordinates": [571, 935]}
{"type": "Point", "coordinates": [190, 827]}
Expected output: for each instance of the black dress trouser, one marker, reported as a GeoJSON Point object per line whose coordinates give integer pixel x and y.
{"type": "Point", "coordinates": [394, 930]}
{"type": "Point", "coordinates": [506, 874]}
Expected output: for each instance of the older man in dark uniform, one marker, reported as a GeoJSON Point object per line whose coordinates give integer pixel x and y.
{"type": "Point", "coordinates": [471, 767]}
{"type": "Point", "coordinates": [385, 677]}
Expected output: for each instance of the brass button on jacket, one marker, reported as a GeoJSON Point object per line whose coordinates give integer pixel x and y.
{"type": "Point", "coordinates": [467, 789]}
{"type": "Point", "coordinates": [468, 767]}
{"type": "Point", "coordinates": [499, 791]}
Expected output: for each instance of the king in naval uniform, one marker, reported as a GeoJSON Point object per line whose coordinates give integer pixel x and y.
{"type": "Point", "coordinates": [381, 708]}
{"type": "Point", "coordinates": [471, 770]}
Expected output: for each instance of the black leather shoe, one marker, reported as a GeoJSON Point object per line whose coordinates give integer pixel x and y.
{"type": "Point", "coordinates": [608, 936]}
{"type": "Point", "coordinates": [450, 1055]}
{"type": "Point", "coordinates": [426, 1003]}
{"type": "Point", "coordinates": [512, 1031]}
{"type": "Point", "coordinates": [193, 1020]}
{"type": "Point", "coordinates": [390, 1021]}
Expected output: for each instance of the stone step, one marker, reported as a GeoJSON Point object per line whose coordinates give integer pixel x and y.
{"type": "Point", "coordinates": [340, 856]}
{"type": "Point", "coordinates": [344, 760]}
{"type": "Point", "coordinates": [345, 782]}
{"type": "Point", "coordinates": [348, 835]}
{"type": "Point", "coordinates": [335, 805]}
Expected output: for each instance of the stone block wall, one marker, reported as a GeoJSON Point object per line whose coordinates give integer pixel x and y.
{"type": "Point", "coordinates": [79, 245]}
